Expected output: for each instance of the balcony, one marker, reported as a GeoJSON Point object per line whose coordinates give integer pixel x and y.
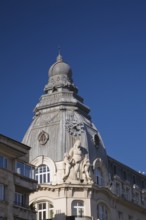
{"type": "Point", "coordinates": [23, 212]}
{"type": "Point", "coordinates": [25, 182]}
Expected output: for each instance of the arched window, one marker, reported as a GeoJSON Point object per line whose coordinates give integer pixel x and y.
{"type": "Point", "coordinates": [42, 174]}
{"type": "Point", "coordinates": [44, 210]}
{"type": "Point", "coordinates": [102, 212]}
{"type": "Point", "coordinates": [77, 208]}
{"type": "Point", "coordinates": [98, 176]}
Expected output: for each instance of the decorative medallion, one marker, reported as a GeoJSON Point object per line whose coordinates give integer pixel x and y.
{"type": "Point", "coordinates": [74, 127]}
{"type": "Point", "coordinates": [43, 137]}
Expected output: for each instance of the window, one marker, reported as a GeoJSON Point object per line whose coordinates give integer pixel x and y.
{"type": "Point", "coordinates": [134, 179]}
{"type": "Point", "coordinates": [127, 193]}
{"type": "Point", "coordinates": [118, 189]}
{"type": "Point", "coordinates": [130, 217]}
{"type": "Point", "coordinates": [115, 170]}
{"type": "Point", "coordinates": [2, 192]}
{"type": "Point", "coordinates": [77, 208]}
{"type": "Point", "coordinates": [120, 216]}
{"type": "Point", "coordinates": [25, 170]}
{"type": "Point", "coordinates": [42, 174]}
{"type": "Point", "coordinates": [124, 175]}
{"type": "Point", "coordinates": [102, 212]}
{"type": "Point", "coordinates": [44, 210]}
{"type": "Point", "coordinates": [136, 197]}
{"type": "Point", "coordinates": [99, 178]}
{"type": "Point", "coordinates": [20, 199]}
{"type": "Point", "coordinates": [3, 162]}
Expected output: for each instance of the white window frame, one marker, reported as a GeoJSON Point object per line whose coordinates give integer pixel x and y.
{"type": "Point", "coordinates": [42, 174]}
{"type": "Point", "coordinates": [78, 208]}
{"type": "Point", "coordinates": [47, 211]}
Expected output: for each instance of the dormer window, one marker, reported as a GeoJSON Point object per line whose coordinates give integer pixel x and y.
{"type": "Point", "coordinates": [98, 176]}
{"type": "Point", "coordinates": [42, 174]}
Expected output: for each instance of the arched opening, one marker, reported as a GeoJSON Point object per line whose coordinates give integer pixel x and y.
{"type": "Point", "coordinates": [98, 176]}
{"type": "Point", "coordinates": [44, 210]}
{"type": "Point", "coordinates": [102, 212]}
{"type": "Point", "coordinates": [42, 174]}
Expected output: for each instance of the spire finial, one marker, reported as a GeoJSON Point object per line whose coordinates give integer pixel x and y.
{"type": "Point", "coordinates": [59, 57]}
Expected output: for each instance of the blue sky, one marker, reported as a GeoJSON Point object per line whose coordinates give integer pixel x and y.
{"type": "Point", "coordinates": [105, 44]}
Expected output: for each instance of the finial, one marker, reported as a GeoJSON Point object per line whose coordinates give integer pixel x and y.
{"type": "Point", "coordinates": [59, 57]}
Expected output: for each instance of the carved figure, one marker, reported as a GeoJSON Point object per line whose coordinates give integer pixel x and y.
{"type": "Point", "coordinates": [68, 164]}
{"type": "Point", "coordinates": [77, 155]}
{"type": "Point", "coordinates": [86, 169]}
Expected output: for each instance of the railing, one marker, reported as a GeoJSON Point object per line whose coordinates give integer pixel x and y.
{"type": "Point", "coordinates": [21, 204]}
{"type": "Point", "coordinates": [78, 217]}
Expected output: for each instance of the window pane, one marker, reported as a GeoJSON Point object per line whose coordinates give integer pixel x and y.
{"type": "Point", "coordinates": [44, 214]}
{"type": "Point", "coordinates": [19, 199]}
{"type": "Point", "coordinates": [24, 169]}
{"type": "Point", "coordinates": [20, 168]}
{"type": "Point", "coordinates": [44, 205]}
{"type": "Point", "coordinates": [2, 192]}
{"type": "Point", "coordinates": [27, 171]}
{"type": "Point", "coordinates": [3, 162]}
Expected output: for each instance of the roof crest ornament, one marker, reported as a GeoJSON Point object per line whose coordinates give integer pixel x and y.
{"type": "Point", "coordinates": [59, 57]}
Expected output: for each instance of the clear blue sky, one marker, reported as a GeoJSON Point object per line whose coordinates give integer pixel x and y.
{"type": "Point", "coordinates": [104, 41]}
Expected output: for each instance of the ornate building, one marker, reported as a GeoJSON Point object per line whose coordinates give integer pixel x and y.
{"type": "Point", "coordinates": [16, 181]}
{"type": "Point", "coordinates": [76, 178]}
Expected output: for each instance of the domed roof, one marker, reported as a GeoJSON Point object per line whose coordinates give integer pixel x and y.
{"type": "Point", "coordinates": [60, 67]}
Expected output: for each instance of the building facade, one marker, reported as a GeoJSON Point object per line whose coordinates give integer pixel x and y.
{"type": "Point", "coordinates": [16, 181]}
{"type": "Point", "coordinates": [76, 178]}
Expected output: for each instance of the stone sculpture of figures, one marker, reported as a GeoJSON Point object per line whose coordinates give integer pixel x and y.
{"type": "Point", "coordinates": [77, 155]}
{"type": "Point", "coordinates": [76, 164]}
{"type": "Point", "coordinates": [86, 170]}
{"type": "Point", "coordinates": [68, 164]}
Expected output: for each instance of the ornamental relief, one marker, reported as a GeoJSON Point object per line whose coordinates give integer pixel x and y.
{"type": "Point", "coordinates": [43, 137]}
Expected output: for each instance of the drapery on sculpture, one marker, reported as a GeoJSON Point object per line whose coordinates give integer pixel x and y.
{"type": "Point", "coordinates": [77, 165]}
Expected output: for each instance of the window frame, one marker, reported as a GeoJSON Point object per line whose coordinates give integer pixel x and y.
{"type": "Point", "coordinates": [24, 169]}
{"type": "Point", "coordinates": [42, 174]}
{"type": "Point", "coordinates": [102, 211]}
{"type": "Point", "coordinates": [2, 192]}
{"type": "Point", "coordinates": [77, 208]}
{"type": "Point", "coordinates": [3, 162]}
{"type": "Point", "coordinates": [99, 176]}
{"type": "Point", "coordinates": [20, 199]}
{"type": "Point", "coordinates": [46, 211]}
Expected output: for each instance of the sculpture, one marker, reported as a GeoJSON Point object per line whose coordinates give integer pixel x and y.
{"type": "Point", "coordinates": [77, 165]}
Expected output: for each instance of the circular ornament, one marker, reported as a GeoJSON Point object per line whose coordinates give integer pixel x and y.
{"type": "Point", "coordinates": [43, 137]}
